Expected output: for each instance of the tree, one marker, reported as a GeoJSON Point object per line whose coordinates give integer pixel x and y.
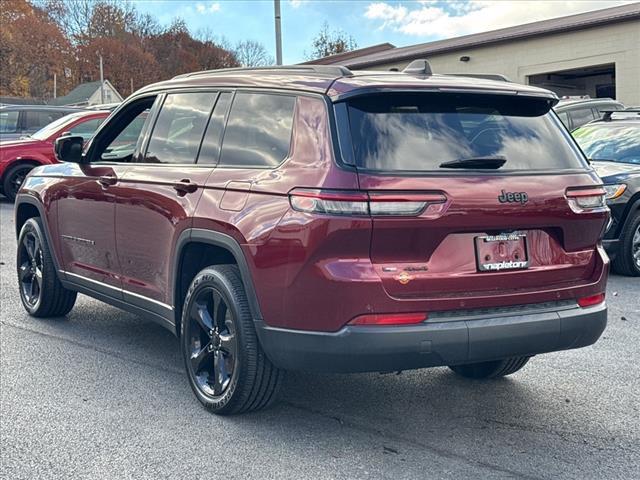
{"type": "Point", "coordinates": [32, 49]}
{"type": "Point", "coordinates": [123, 62]}
{"type": "Point", "coordinates": [40, 38]}
{"type": "Point", "coordinates": [252, 54]}
{"type": "Point", "coordinates": [328, 42]}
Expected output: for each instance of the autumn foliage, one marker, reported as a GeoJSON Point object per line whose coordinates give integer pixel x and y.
{"type": "Point", "coordinates": [41, 38]}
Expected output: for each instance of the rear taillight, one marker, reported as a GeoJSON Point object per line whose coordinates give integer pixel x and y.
{"type": "Point", "coordinates": [329, 202]}
{"type": "Point", "coordinates": [591, 300]}
{"type": "Point", "coordinates": [389, 319]}
{"type": "Point", "coordinates": [334, 202]}
{"type": "Point", "coordinates": [587, 200]}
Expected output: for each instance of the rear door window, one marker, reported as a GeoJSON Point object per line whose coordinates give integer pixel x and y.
{"type": "Point", "coordinates": [9, 121]}
{"type": "Point", "coordinates": [35, 120]}
{"type": "Point", "coordinates": [178, 130]}
{"type": "Point", "coordinates": [258, 132]}
{"type": "Point", "coordinates": [420, 132]}
{"type": "Point", "coordinates": [581, 116]}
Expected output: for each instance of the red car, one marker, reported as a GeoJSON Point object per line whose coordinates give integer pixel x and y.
{"type": "Point", "coordinates": [315, 218]}
{"type": "Point", "coordinates": [19, 157]}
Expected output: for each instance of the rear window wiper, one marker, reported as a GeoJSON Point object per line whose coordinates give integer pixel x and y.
{"type": "Point", "coordinates": [476, 162]}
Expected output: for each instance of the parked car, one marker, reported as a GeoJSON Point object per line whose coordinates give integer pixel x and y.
{"type": "Point", "coordinates": [613, 146]}
{"type": "Point", "coordinates": [575, 112]}
{"type": "Point", "coordinates": [314, 218]}
{"type": "Point", "coordinates": [20, 120]}
{"type": "Point", "coordinates": [19, 157]}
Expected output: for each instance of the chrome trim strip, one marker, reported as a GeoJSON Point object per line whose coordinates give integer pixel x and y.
{"type": "Point", "coordinates": [137, 295]}
{"type": "Point", "coordinates": [119, 290]}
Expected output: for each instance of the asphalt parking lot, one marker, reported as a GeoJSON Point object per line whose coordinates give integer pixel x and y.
{"type": "Point", "coordinates": [102, 394]}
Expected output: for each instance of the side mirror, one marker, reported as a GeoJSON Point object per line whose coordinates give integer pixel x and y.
{"type": "Point", "coordinates": [68, 148]}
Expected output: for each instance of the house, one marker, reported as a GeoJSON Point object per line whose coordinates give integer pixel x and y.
{"type": "Point", "coordinates": [596, 53]}
{"type": "Point", "coordinates": [88, 94]}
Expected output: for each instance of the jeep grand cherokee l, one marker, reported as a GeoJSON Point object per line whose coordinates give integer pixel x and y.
{"type": "Point", "coordinates": [314, 218]}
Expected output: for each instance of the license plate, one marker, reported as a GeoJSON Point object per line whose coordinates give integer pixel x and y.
{"type": "Point", "coordinates": [501, 252]}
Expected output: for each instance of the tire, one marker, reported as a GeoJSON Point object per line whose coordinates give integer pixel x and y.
{"type": "Point", "coordinates": [495, 369]}
{"type": "Point", "coordinates": [226, 367]}
{"type": "Point", "coordinates": [627, 261]}
{"type": "Point", "coordinates": [41, 292]}
{"type": "Point", "coordinates": [14, 178]}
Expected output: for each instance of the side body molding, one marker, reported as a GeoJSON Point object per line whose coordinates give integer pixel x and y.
{"type": "Point", "coordinates": [200, 235]}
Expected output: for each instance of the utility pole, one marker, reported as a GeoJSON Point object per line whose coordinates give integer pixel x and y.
{"type": "Point", "coordinates": [276, 6]}
{"type": "Point", "coordinates": [101, 82]}
{"type": "Point", "coordinates": [55, 85]}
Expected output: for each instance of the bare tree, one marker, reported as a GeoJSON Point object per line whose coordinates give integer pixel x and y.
{"type": "Point", "coordinates": [252, 54]}
{"type": "Point", "coordinates": [328, 42]}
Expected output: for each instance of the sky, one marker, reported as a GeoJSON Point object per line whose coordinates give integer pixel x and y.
{"type": "Point", "coordinates": [401, 23]}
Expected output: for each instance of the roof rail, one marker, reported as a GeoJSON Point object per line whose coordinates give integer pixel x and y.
{"type": "Point", "coordinates": [626, 113]}
{"type": "Point", "coordinates": [332, 70]}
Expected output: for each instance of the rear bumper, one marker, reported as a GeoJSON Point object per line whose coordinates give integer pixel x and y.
{"type": "Point", "coordinates": [448, 340]}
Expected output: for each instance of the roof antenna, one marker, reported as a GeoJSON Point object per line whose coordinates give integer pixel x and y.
{"type": "Point", "coordinates": [418, 67]}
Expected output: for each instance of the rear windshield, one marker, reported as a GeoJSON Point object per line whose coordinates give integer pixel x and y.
{"type": "Point", "coordinates": [421, 132]}
{"type": "Point", "coordinates": [610, 143]}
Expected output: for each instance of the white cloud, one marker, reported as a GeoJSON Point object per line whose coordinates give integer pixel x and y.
{"type": "Point", "coordinates": [213, 7]}
{"type": "Point", "coordinates": [296, 3]}
{"type": "Point", "coordinates": [442, 19]}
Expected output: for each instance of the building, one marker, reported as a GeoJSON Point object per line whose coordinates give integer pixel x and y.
{"type": "Point", "coordinates": [595, 53]}
{"type": "Point", "coordinates": [88, 94]}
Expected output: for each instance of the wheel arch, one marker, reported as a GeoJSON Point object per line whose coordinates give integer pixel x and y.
{"type": "Point", "coordinates": [26, 207]}
{"type": "Point", "coordinates": [22, 161]}
{"type": "Point", "coordinates": [198, 248]}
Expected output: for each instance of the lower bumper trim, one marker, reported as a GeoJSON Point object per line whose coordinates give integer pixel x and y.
{"type": "Point", "coordinates": [430, 344]}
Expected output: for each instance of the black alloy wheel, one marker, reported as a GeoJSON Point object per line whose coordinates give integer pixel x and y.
{"type": "Point", "coordinates": [627, 261]}
{"type": "Point", "coordinates": [41, 292]}
{"type": "Point", "coordinates": [227, 369]}
{"type": "Point", "coordinates": [212, 342]}
{"type": "Point", "coordinates": [14, 179]}
{"type": "Point", "coordinates": [30, 267]}
{"type": "Point", "coordinates": [635, 247]}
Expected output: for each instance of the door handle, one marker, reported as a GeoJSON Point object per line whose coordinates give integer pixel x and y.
{"type": "Point", "coordinates": [107, 180]}
{"type": "Point", "coordinates": [185, 186]}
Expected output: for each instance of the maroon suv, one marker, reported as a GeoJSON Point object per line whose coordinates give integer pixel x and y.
{"type": "Point", "coordinates": [314, 218]}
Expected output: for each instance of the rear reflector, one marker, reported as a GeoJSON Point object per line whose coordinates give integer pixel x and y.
{"type": "Point", "coordinates": [335, 202]}
{"type": "Point", "coordinates": [591, 300]}
{"type": "Point", "coordinates": [389, 319]}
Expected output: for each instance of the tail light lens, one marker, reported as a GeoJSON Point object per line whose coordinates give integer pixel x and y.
{"type": "Point", "coordinates": [389, 319]}
{"type": "Point", "coordinates": [329, 202]}
{"type": "Point", "coordinates": [591, 300]}
{"type": "Point", "coordinates": [587, 200]}
{"type": "Point", "coordinates": [335, 202]}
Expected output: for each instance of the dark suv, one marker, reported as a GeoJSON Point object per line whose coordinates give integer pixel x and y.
{"type": "Point", "coordinates": [18, 121]}
{"type": "Point", "coordinates": [612, 145]}
{"type": "Point", "coordinates": [314, 218]}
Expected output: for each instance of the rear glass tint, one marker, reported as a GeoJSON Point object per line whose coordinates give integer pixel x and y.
{"type": "Point", "coordinates": [419, 132]}
{"type": "Point", "coordinates": [612, 143]}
